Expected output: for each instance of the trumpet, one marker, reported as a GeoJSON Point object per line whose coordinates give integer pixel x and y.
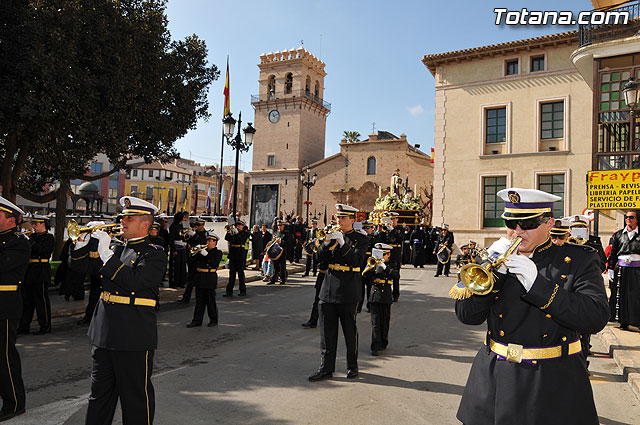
{"type": "Point", "coordinates": [371, 263]}
{"type": "Point", "coordinates": [195, 249]}
{"type": "Point", "coordinates": [74, 230]}
{"type": "Point", "coordinates": [229, 227]}
{"type": "Point", "coordinates": [27, 229]}
{"type": "Point", "coordinates": [322, 233]}
{"type": "Point", "coordinates": [479, 278]}
{"type": "Point", "coordinates": [576, 241]}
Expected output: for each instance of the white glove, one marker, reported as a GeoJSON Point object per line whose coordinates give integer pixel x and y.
{"type": "Point", "coordinates": [95, 223]}
{"type": "Point", "coordinates": [82, 241]}
{"type": "Point", "coordinates": [500, 246]}
{"type": "Point", "coordinates": [191, 233]}
{"type": "Point", "coordinates": [104, 240]}
{"type": "Point", "coordinates": [380, 267]}
{"type": "Point", "coordinates": [524, 269]}
{"type": "Point", "coordinates": [234, 231]}
{"type": "Point", "coordinates": [337, 236]}
{"type": "Point", "coordinates": [204, 252]}
{"type": "Point", "coordinates": [611, 274]}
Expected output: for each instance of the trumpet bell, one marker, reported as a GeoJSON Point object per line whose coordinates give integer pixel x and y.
{"type": "Point", "coordinates": [477, 279]}
{"type": "Point", "coordinates": [73, 230]}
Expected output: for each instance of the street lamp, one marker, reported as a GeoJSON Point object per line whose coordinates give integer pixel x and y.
{"type": "Point", "coordinates": [631, 93]}
{"type": "Point", "coordinates": [240, 146]}
{"type": "Point", "coordinates": [309, 182]}
{"type": "Point", "coordinates": [158, 188]}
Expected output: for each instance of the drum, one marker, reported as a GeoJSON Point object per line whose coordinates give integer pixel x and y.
{"type": "Point", "coordinates": [310, 247]}
{"type": "Point", "coordinates": [444, 254]}
{"type": "Point", "coordinates": [275, 251]}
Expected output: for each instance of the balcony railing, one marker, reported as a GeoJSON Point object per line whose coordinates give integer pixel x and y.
{"type": "Point", "coordinates": [292, 95]}
{"type": "Point", "coordinates": [595, 33]}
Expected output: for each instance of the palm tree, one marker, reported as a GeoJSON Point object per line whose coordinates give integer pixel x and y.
{"type": "Point", "coordinates": [351, 136]}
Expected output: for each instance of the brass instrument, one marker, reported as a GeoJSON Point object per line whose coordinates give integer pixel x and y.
{"type": "Point", "coordinates": [322, 233]}
{"type": "Point", "coordinates": [372, 262]}
{"type": "Point", "coordinates": [27, 229]}
{"type": "Point", "coordinates": [479, 278]}
{"type": "Point", "coordinates": [195, 249]}
{"type": "Point", "coordinates": [229, 227]}
{"type": "Point", "coordinates": [74, 230]}
{"type": "Point", "coordinates": [576, 241]}
{"type": "Point", "coordinates": [386, 222]}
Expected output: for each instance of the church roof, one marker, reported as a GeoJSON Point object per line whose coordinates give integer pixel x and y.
{"type": "Point", "coordinates": [384, 135]}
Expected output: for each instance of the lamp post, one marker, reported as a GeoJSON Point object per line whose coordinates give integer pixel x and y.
{"type": "Point", "coordinates": [158, 188]}
{"type": "Point", "coordinates": [182, 181]}
{"type": "Point", "coordinates": [308, 181]}
{"type": "Point", "coordinates": [240, 146]}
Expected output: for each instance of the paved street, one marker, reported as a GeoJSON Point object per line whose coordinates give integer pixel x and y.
{"type": "Point", "coordinates": [253, 368]}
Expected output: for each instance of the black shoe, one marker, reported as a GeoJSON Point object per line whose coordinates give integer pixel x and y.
{"type": "Point", "coordinates": [395, 299]}
{"type": "Point", "coordinates": [193, 324]}
{"type": "Point", "coordinates": [314, 274]}
{"type": "Point", "coordinates": [320, 375]}
{"type": "Point", "coordinates": [43, 331]}
{"type": "Point", "coordinates": [309, 325]}
{"type": "Point", "coordinates": [446, 275]}
{"type": "Point", "coordinates": [271, 283]}
{"type": "Point", "coordinates": [183, 300]}
{"type": "Point", "coordinates": [242, 294]}
{"type": "Point", "coordinates": [282, 283]}
{"type": "Point", "coordinates": [436, 275]}
{"type": "Point", "coordinates": [374, 352]}
{"type": "Point", "coordinates": [84, 321]}
{"type": "Point", "coordinates": [352, 373]}
{"type": "Point", "coordinates": [212, 324]}
{"type": "Point", "coordinates": [5, 416]}
{"type": "Point", "coordinates": [624, 327]}
{"type": "Point", "coordinates": [305, 274]}
{"type": "Point", "coordinates": [227, 295]}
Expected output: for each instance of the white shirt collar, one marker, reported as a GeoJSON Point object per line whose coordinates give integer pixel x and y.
{"type": "Point", "coordinates": [631, 234]}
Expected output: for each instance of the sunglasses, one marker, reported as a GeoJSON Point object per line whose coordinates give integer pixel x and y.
{"type": "Point", "coordinates": [630, 217]}
{"type": "Point", "coordinates": [526, 224]}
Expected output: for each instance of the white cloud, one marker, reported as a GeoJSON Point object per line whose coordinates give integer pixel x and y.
{"type": "Point", "coordinates": [416, 110]}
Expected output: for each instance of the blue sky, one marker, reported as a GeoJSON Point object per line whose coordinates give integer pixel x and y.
{"type": "Point", "coordinates": [372, 51]}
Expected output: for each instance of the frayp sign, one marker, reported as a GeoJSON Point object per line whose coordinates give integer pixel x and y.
{"type": "Point", "coordinates": [612, 190]}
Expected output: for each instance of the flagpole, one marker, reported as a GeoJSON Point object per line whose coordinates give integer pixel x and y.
{"type": "Point", "coordinates": [224, 113]}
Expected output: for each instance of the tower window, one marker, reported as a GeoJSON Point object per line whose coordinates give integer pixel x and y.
{"type": "Point", "coordinates": [271, 87]}
{"type": "Point", "coordinates": [317, 89]}
{"type": "Point", "coordinates": [288, 83]}
{"type": "Point", "coordinates": [371, 165]}
{"type": "Point", "coordinates": [271, 160]}
{"type": "Point", "coordinates": [307, 86]}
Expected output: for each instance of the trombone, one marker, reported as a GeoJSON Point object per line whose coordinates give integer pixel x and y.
{"type": "Point", "coordinates": [195, 249]}
{"type": "Point", "coordinates": [371, 263]}
{"type": "Point", "coordinates": [74, 230]}
{"type": "Point", "coordinates": [479, 278]}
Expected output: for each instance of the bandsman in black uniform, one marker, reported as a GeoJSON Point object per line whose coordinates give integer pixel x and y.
{"type": "Point", "coordinates": [624, 273]}
{"type": "Point", "coordinates": [236, 238]}
{"type": "Point", "coordinates": [445, 239]}
{"type": "Point", "coordinates": [395, 238]}
{"type": "Point", "coordinates": [154, 236]}
{"type": "Point", "coordinates": [123, 330]}
{"type": "Point", "coordinates": [340, 292]}
{"type": "Point", "coordinates": [196, 237]}
{"type": "Point", "coordinates": [464, 257]}
{"type": "Point", "coordinates": [579, 225]}
{"type": "Point", "coordinates": [178, 252]}
{"type": "Point", "coordinates": [560, 231]}
{"type": "Point", "coordinates": [206, 282]}
{"type": "Point", "coordinates": [280, 264]}
{"type": "Point", "coordinates": [312, 260]}
{"type": "Point", "coordinates": [367, 279]}
{"type": "Point", "coordinates": [35, 291]}
{"type": "Point", "coordinates": [380, 298]}
{"type": "Point", "coordinates": [473, 251]}
{"type": "Point", "coordinates": [530, 369]}
{"type": "Point", "coordinates": [14, 260]}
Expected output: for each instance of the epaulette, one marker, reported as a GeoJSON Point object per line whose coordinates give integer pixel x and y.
{"type": "Point", "coordinates": [459, 292]}
{"type": "Point", "coordinates": [156, 246]}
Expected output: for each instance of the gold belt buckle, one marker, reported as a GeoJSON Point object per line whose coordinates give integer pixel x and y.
{"type": "Point", "coordinates": [514, 353]}
{"type": "Point", "coordinates": [105, 296]}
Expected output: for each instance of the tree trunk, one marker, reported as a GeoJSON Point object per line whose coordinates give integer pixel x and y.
{"type": "Point", "coordinates": [61, 217]}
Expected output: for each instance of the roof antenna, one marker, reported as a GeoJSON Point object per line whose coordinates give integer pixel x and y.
{"type": "Point", "coordinates": [320, 53]}
{"type": "Point", "coordinates": [373, 130]}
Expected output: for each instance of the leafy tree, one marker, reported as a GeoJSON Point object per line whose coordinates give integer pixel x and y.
{"type": "Point", "coordinates": [351, 136]}
{"type": "Point", "coordinates": [82, 77]}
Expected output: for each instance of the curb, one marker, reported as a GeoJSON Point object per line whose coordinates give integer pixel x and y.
{"type": "Point", "coordinates": [172, 294]}
{"type": "Point", "coordinates": [630, 369]}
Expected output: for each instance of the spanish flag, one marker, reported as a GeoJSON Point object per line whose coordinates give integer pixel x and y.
{"type": "Point", "coordinates": [226, 92]}
{"type": "Point", "coordinates": [433, 156]}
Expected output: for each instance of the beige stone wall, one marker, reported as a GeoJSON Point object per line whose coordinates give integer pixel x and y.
{"type": "Point", "coordinates": [463, 91]}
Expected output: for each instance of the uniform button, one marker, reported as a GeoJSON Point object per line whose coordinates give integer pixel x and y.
{"type": "Point", "coordinates": [497, 297]}
{"type": "Point", "coordinates": [567, 259]}
{"type": "Point", "coordinates": [133, 293]}
{"type": "Point", "coordinates": [101, 276]}
{"type": "Point", "coordinates": [501, 333]}
{"type": "Point", "coordinates": [545, 335]}
{"type": "Point", "coordinates": [500, 316]}
{"type": "Point", "coordinates": [563, 277]}
{"type": "Point", "coordinates": [489, 332]}
{"type": "Point", "coordinates": [564, 338]}
{"type": "Point", "coordinates": [548, 316]}
{"type": "Point", "coordinates": [534, 361]}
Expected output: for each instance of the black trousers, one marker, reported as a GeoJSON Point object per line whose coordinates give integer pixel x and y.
{"type": "Point", "coordinates": [178, 268]}
{"type": "Point", "coordinates": [297, 251]}
{"type": "Point", "coordinates": [446, 267]}
{"type": "Point", "coordinates": [279, 269]}
{"type": "Point", "coordinates": [95, 289]}
{"type": "Point", "coordinates": [380, 317]}
{"type": "Point", "coordinates": [191, 273]}
{"type": "Point", "coordinates": [314, 310]}
{"type": "Point", "coordinates": [205, 300]}
{"type": "Point", "coordinates": [11, 385]}
{"type": "Point", "coordinates": [236, 266]}
{"type": "Point", "coordinates": [312, 262]}
{"type": "Point", "coordinates": [330, 314]}
{"type": "Point", "coordinates": [366, 288]}
{"type": "Point", "coordinates": [35, 296]}
{"type": "Point", "coordinates": [125, 375]}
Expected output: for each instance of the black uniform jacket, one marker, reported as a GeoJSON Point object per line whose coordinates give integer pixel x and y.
{"type": "Point", "coordinates": [343, 286]}
{"type": "Point", "coordinates": [158, 241]}
{"type": "Point", "coordinates": [445, 239]}
{"type": "Point", "coordinates": [395, 238]}
{"type": "Point", "coordinates": [39, 269]}
{"type": "Point", "coordinates": [382, 284]}
{"type": "Point", "coordinates": [14, 259]}
{"type": "Point", "coordinates": [134, 271]}
{"type": "Point", "coordinates": [199, 238]}
{"type": "Point", "coordinates": [621, 245]}
{"type": "Point", "coordinates": [207, 276]}
{"type": "Point", "coordinates": [566, 299]}
{"type": "Point", "coordinates": [236, 245]}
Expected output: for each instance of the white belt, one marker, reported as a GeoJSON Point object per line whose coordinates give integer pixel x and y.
{"type": "Point", "coordinates": [629, 257]}
{"type": "Point", "coordinates": [180, 243]}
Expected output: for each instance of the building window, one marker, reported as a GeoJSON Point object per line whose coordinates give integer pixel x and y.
{"type": "Point", "coordinates": [317, 90]}
{"type": "Point", "coordinates": [537, 63]}
{"type": "Point", "coordinates": [611, 84]}
{"type": "Point", "coordinates": [271, 160]}
{"type": "Point", "coordinates": [371, 166]}
{"type": "Point", "coordinates": [493, 205]}
{"type": "Point", "coordinates": [496, 125]}
{"type": "Point", "coordinates": [511, 67]}
{"type": "Point", "coordinates": [288, 83]}
{"type": "Point", "coordinates": [552, 120]}
{"type": "Point", "coordinates": [554, 184]}
{"type": "Point", "coordinates": [135, 173]}
{"type": "Point", "coordinates": [307, 85]}
{"type": "Point", "coordinates": [133, 190]}
{"type": "Point", "coordinates": [168, 176]}
{"type": "Point", "coordinates": [171, 194]}
{"type": "Point", "coordinates": [96, 168]}
{"type": "Point", "coordinates": [149, 194]}
{"type": "Point", "coordinates": [113, 196]}
{"type": "Point", "coordinates": [271, 87]}
{"type": "Point", "coordinates": [150, 173]}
